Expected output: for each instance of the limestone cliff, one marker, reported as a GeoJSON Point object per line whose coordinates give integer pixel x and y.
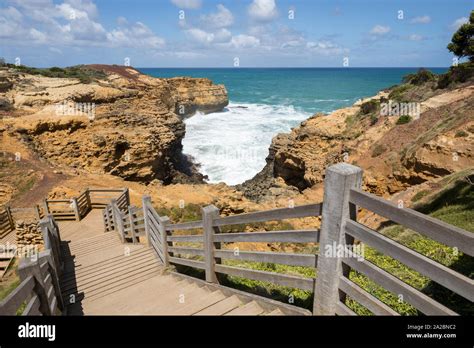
{"type": "Point", "coordinates": [394, 155]}
{"type": "Point", "coordinates": [121, 122]}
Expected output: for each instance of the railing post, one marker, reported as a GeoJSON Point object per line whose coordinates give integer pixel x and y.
{"type": "Point", "coordinates": [75, 206]}
{"type": "Point", "coordinates": [132, 224]}
{"type": "Point", "coordinates": [127, 195]}
{"type": "Point", "coordinates": [45, 206]}
{"type": "Point", "coordinates": [164, 221]}
{"type": "Point", "coordinates": [10, 217]}
{"type": "Point", "coordinates": [146, 200]}
{"type": "Point", "coordinates": [209, 213]}
{"type": "Point", "coordinates": [88, 199]}
{"type": "Point", "coordinates": [338, 182]}
{"type": "Point", "coordinates": [118, 222]}
{"type": "Point", "coordinates": [37, 211]}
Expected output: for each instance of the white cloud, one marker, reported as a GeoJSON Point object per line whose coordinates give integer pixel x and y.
{"type": "Point", "coordinates": [71, 23]}
{"type": "Point", "coordinates": [244, 41]}
{"type": "Point", "coordinates": [458, 22]}
{"type": "Point", "coordinates": [12, 14]}
{"type": "Point", "coordinates": [380, 30]}
{"type": "Point", "coordinates": [263, 10]}
{"type": "Point", "coordinates": [187, 4]}
{"type": "Point", "coordinates": [136, 35]}
{"type": "Point", "coordinates": [200, 36]}
{"type": "Point", "coordinates": [421, 20]}
{"type": "Point", "coordinates": [220, 19]}
{"type": "Point", "coordinates": [325, 47]}
{"type": "Point", "coordinates": [415, 37]}
{"type": "Point", "coordinates": [37, 36]}
{"type": "Point", "coordinates": [222, 35]}
{"type": "Point", "coordinates": [122, 21]}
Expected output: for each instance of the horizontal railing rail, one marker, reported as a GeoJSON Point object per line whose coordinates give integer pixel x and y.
{"type": "Point", "coordinates": [425, 225]}
{"type": "Point", "coordinates": [207, 233]}
{"type": "Point", "coordinates": [201, 245]}
{"type": "Point", "coordinates": [76, 208]}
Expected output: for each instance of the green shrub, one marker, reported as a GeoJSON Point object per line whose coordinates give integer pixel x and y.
{"type": "Point", "coordinates": [397, 93]}
{"type": "Point", "coordinates": [420, 77]}
{"type": "Point", "coordinates": [404, 119]}
{"type": "Point", "coordinates": [419, 195]}
{"type": "Point", "coordinates": [456, 74]}
{"type": "Point", "coordinates": [460, 134]}
{"type": "Point", "coordinates": [81, 72]}
{"type": "Point", "coordinates": [369, 107]}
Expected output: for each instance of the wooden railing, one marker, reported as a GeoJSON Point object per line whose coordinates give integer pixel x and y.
{"type": "Point", "coordinates": [425, 225]}
{"type": "Point", "coordinates": [6, 222]}
{"type": "Point", "coordinates": [39, 292]}
{"type": "Point", "coordinates": [127, 220]}
{"type": "Point", "coordinates": [339, 230]}
{"type": "Point", "coordinates": [76, 208]}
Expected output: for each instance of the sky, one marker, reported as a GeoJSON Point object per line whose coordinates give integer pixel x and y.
{"type": "Point", "coordinates": [231, 33]}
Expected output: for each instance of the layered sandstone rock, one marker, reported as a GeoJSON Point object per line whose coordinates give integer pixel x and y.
{"type": "Point", "coordinates": [393, 156]}
{"type": "Point", "coordinates": [125, 123]}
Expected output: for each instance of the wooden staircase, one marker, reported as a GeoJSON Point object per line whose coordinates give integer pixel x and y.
{"type": "Point", "coordinates": [103, 276]}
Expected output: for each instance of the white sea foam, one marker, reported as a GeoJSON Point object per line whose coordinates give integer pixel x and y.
{"type": "Point", "coordinates": [232, 145]}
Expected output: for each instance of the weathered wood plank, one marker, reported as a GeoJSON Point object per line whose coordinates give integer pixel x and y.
{"type": "Point", "coordinates": [32, 308]}
{"type": "Point", "coordinates": [441, 274]}
{"type": "Point", "coordinates": [295, 236]}
{"type": "Point", "coordinates": [275, 278]}
{"type": "Point", "coordinates": [391, 283]}
{"type": "Point", "coordinates": [305, 260]}
{"type": "Point", "coordinates": [364, 298]}
{"type": "Point", "coordinates": [342, 309]}
{"type": "Point", "coordinates": [270, 215]}
{"type": "Point", "coordinates": [12, 302]}
{"type": "Point", "coordinates": [424, 224]}
{"type": "Point", "coordinates": [188, 251]}
{"type": "Point", "coordinates": [185, 226]}
{"type": "Point", "coordinates": [189, 238]}
{"type": "Point", "coordinates": [339, 179]}
{"type": "Point", "coordinates": [187, 262]}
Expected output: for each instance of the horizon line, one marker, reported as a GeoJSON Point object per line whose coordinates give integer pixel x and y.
{"type": "Point", "coordinates": [297, 67]}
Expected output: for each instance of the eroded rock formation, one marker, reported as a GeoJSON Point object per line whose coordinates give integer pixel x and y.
{"type": "Point", "coordinates": [123, 123]}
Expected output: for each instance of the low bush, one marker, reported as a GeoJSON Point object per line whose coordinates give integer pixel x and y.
{"type": "Point", "coordinates": [420, 77]}
{"type": "Point", "coordinates": [403, 119]}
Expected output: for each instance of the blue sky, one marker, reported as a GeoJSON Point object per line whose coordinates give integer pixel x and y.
{"type": "Point", "coordinates": [217, 33]}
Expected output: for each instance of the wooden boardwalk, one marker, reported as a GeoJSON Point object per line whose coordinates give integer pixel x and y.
{"type": "Point", "coordinates": [105, 277]}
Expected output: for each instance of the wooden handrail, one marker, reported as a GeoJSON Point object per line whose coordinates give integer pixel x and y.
{"type": "Point", "coordinates": [339, 228]}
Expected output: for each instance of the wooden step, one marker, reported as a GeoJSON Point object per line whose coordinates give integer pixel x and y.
{"type": "Point", "coordinates": [133, 304]}
{"type": "Point", "coordinates": [113, 279]}
{"type": "Point", "coordinates": [221, 307]}
{"type": "Point", "coordinates": [99, 275]}
{"type": "Point", "coordinates": [113, 288]}
{"type": "Point", "coordinates": [275, 312]}
{"type": "Point", "coordinates": [198, 304]}
{"type": "Point", "coordinates": [251, 308]}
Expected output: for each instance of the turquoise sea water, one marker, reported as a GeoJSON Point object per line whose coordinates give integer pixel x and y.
{"type": "Point", "coordinates": [231, 146]}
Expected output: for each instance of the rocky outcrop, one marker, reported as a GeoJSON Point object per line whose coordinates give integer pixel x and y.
{"type": "Point", "coordinates": [394, 156]}
{"type": "Point", "coordinates": [126, 123]}
{"type": "Point", "coordinates": [197, 94]}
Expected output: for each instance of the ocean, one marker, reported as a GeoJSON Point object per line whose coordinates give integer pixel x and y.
{"type": "Point", "coordinates": [231, 146]}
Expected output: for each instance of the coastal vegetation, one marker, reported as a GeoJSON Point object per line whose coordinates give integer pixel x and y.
{"type": "Point", "coordinates": [81, 72]}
